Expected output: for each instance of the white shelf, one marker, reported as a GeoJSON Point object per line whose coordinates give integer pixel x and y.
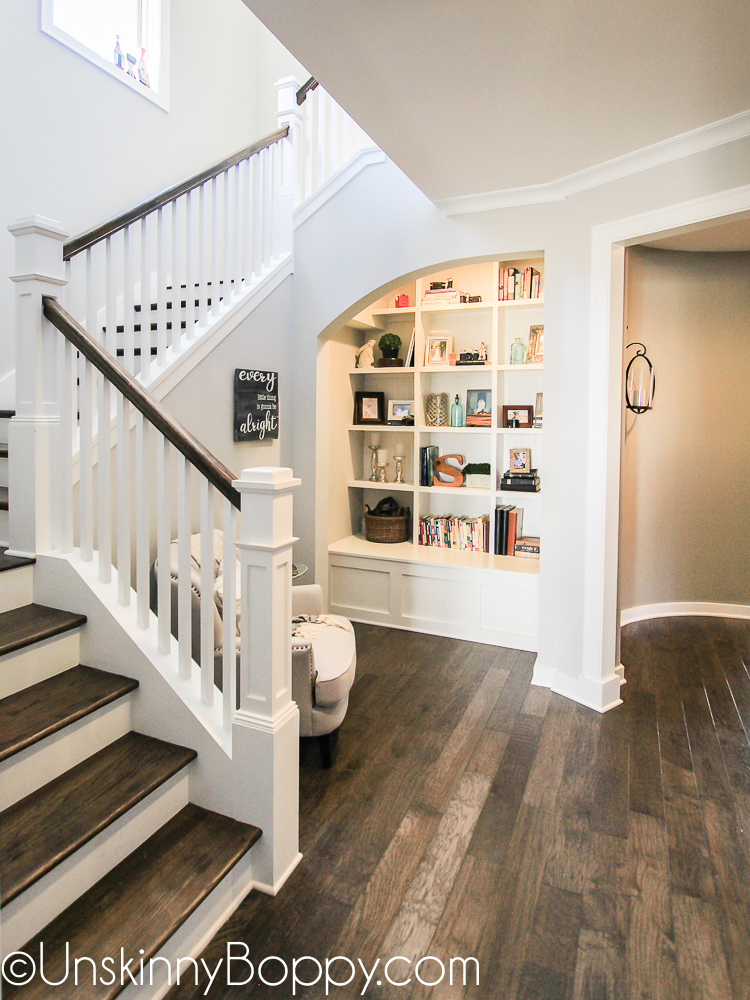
{"type": "Point", "coordinates": [454, 369]}
{"type": "Point", "coordinates": [521, 303]}
{"type": "Point", "coordinates": [405, 311]}
{"type": "Point", "coordinates": [455, 430]}
{"type": "Point", "coordinates": [377, 428]}
{"type": "Point", "coordinates": [520, 368]}
{"type": "Point", "coordinates": [357, 546]}
{"type": "Point", "coordinates": [461, 307]}
{"type": "Point", "coordinates": [383, 371]}
{"type": "Point", "coordinates": [470, 491]}
{"type": "Point", "coordinates": [366, 484]}
{"type": "Point", "coordinates": [517, 493]}
{"type": "Point", "coordinates": [519, 430]}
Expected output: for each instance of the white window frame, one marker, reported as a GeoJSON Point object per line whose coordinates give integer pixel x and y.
{"type": "Point", "coordinates": [161, 97]}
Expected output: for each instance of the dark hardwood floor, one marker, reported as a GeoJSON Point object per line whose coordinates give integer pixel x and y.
{"type": "Point", "coordinates": [575, 855]}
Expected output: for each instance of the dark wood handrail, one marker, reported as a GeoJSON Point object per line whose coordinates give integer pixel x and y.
{"type": "Point", "coordinates": [207, 464]}
{"type": "Point", "coordinates": [92, 236]}
{"type": "Point", "coordinates": [303, 91]}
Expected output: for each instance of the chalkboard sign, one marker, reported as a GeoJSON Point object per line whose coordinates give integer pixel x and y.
{"type": "Point", "coordinates": [256, 405]}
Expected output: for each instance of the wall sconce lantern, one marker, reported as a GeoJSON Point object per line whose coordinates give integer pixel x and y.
{"type": "Point", "coordinates": [640, 381]}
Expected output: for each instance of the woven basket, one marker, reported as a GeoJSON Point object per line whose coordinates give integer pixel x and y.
{"type": "Point", "coordinates": [437, 409]}
{"type": "Point", "coordinates": [389, 529]}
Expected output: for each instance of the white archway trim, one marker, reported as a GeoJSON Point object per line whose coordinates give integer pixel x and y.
{"type": "Point", "coordinates": [599, 669]}
{"type": "Point", "coordinates": [679, 609]}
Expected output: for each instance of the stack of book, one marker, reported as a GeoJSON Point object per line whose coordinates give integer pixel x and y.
{"type": "Point", "coordinates": [449, 531]}
{"type": "Point", "coordinates": [508, 525]}
{"type": "Point", "coordinates": [427, 458]}
{"type": "Point", "coordinates": [527, 547]}
{"type": "Point", "coordinates": [515, 284]}
{"type": "Point", "coordinates": [520, 482]}
{"type": "Point", "coordinates": [441, 293]}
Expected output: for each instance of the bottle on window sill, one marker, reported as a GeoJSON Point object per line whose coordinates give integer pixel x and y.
{"type": "Point", "coordinates": [119, 56]}
{"type": "Point", "coordinates": [143, 70]}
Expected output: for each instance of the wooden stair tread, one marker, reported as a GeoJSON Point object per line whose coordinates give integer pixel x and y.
{"type": "Point", "coordinates": [45, 708]}
{"type": "Point", "coordinates": [3, 451]}
{"type": "Point", "coordinates": [13, 562]}
{"type": "Point", "coordinates": [46, 827]}
{"type": "Point", "coordinates": [32, 623]}
{"type": "Point", "coordinates": [140, 903]}
{"type": "Point", "coordinates": [7, 414]}
{"type": "Point", "coordinates": [3, 498]}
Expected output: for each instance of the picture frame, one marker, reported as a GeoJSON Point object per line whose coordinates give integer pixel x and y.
{"type": "Point", "coordinates": [369, 407]}
{"type": "Point", "coordinates": [524, 414]}
{"type": "Point", "coordinates": [400, 410]}
{"type": "Point", "coordinates": [410, 353]}
{"type": "Point", "coordinates": [520, 460]}
{"type": "Point", "coordinates": [535, 352]}
{"type": "Point", "coordinates": [539, 409]}
{"type": "Point", "coordinates": [478, 402]}
{"type": "Point", "coordinates": [437, 348]}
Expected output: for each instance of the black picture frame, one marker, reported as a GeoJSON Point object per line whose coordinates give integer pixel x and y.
{"type": "Point", "coordinates": [359, 407]}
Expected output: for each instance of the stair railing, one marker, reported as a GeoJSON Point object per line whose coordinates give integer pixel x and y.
{"type": "Point", "coordinates": [324, 137]}
{"type": "Point", "coordinates": [171, 264]}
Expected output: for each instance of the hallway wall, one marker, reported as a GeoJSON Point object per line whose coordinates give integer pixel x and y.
{"type": "Point", "coordinates": [686, 463]}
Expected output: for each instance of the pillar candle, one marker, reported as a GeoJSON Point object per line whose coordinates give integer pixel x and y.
{"type": "Point", "coordinates": [382, 456]}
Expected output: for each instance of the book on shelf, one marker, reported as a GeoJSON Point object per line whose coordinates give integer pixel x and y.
{"type": "Point", "coordinates": [520, 482]}
{"type": "Point", "coordinates": [508, 527]}
{"type": "Point", "coordinates": [428, 456]}
{"type": "Point", "coordinates": [449, 531]}
{"type": "Point", "coordinates": [515, 284]}
{"type": "Point", "coordinates": [410, 352]}
{"type": "Point", "coordinates": [527, 547]}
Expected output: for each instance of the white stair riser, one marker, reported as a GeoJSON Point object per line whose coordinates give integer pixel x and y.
{"type": "Point", "coordinates": [36, 663]}
{"type": "Point", "coordinates": [26, 915]}
{"type": "Point", "coordinates": [190, 939]}
{"type": "Point", "coordinates": [23, 773]}
{"type": "Point", "coordinates": [16, 587]}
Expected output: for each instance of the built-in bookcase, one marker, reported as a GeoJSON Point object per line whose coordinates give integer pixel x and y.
{"type": "Point", "coordinates": [497, 324]}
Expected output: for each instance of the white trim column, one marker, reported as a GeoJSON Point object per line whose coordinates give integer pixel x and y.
{"type": "Point", "coordinates": [290, 113]}
{"type": "Point", "coordinates": [265, 732]}
{"type": "Point", "coordinates": [32, 432]}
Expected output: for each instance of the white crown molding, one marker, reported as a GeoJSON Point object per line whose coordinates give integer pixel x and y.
{"type": "Point", "coordinates": [699, 139]}
{"type": "Point", "coordinates": [679, 609]}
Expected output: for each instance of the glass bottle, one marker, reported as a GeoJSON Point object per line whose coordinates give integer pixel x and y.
{"type": "Point", "coordinates": [457, 414]}
{"type": "Point", "coordinates": [517, 352]}
{"type": "Point", "coordinates": [119, 57]}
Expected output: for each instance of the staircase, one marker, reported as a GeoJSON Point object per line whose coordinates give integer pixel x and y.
{"type": "Point", "coordinates": [100, 846]}
{"type": "Point", "coordinates": [5, 416]}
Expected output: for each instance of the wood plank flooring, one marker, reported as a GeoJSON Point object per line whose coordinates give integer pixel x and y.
{"type": "Point", "coordinates": [577, 856]}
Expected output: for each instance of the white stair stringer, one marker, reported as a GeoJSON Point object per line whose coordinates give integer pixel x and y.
{"type": "Point", "coordinates": [28, 913]}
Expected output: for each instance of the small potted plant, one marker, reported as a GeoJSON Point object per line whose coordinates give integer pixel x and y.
{"type": "Point", "coordinates": [477, 474]}
{"type": "Point", "coordinates": [389, 345]}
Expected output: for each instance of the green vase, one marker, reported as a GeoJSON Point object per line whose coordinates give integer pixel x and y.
{"type": "Point", "coordinates": [517, 352]}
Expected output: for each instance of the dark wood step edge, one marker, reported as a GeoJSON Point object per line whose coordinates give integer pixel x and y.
{"type": "Point", "coordinates": [127, 684]}
{"type": "Point", "coordinates": [124, 807]}
{"type": "Point", "coordinates": [67, 622]}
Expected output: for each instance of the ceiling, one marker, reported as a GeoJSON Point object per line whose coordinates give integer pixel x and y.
{"type": "Point", "coordinates": [484, 95]}
{"type": "Point", "coordinates": [733, 235]}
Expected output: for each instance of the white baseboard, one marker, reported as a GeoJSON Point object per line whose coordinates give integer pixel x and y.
{"type": "Point", "coordinates": [271, 890]}
{"type": "Point", "coordinates": [677, 609]}
{"type": "Point", "coordinates": [600, 695]}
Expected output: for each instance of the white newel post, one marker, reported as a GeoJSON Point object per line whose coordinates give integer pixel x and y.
{"type": "Point", "coordinates": [291, 114]}
{"type": "Point", "coordinates": [39, 270]}
{"type": "Point", "coordinates": [265, 732]}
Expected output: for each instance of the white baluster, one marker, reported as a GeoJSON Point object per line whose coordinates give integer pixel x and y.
{"type": "Point", "coordinates": [202, 255]}
{"type": "Point", "coordinates": [215, 274]}
{"type": "Point", "coordinates": [68, 399]}
{"type": "Point", "coordinates": [142, 496]}
{"type": "Point", "coordinates": [311, 125]}
{"type": "Point", "coordinates": [145, 300]}
{"type": "Point", "coordinates": [176, 277]}
{"type": "Point", "coordinates": [335, 118]}
{"type": "Point", "coordinates": [247, 248]}
{"type": "Point", "coordinates": [324, 140]}
{"type": "Point", "coordinates": [229, 624]}
{"type": "Point", "coordinates": [227, 261]}
{"type": "Point", "coordinates": [163, 539]}
{"type": "Point", "coordinates": [237, 232]}
{"type": "Point", "coordinates": [258, 214]}
{"type": "Point", "coordinates": [189, 267]}
{"type": "Point", "coordinates": [184, 591]}
{"type": "Point", "coordinates": [123, 499]}
{"type": "Point", "coordinates": [128, 300]}
{"type": "Point", "coordinates": [104, 452]}
{"type": "Point", "coordinates": [347, 137]}
{"type": "Point", "coordinates": [85, 462]}
{"type": "Point", "coordinates": [207, 592]}
{"type": "Point", "coordinates": [267, 155]}
{"type": "Point", "coordinates": [161, 290]}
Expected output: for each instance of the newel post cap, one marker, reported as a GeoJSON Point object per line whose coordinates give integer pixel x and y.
{"type": "Point", "coordinates": [38, 225]}
{"type": "Point", "coordinates": [266, 479]}
{"type": "Point", "coordinates": [39, 254]}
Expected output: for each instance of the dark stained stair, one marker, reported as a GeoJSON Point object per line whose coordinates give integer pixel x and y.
{"type": "Point", "coordinates": [32, 623]}
{"type": "Point", "coordinates": [3, 498]}
{"type": "Point", "coordinates": [139, 904]}
{"type": "Point", "coordinates": [46, 827]}
{"type": "Point", "coordinates": [45, 708]}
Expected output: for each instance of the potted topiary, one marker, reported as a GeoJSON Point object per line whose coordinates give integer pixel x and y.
{"type": "Point", "coordinates": [478, 475]}
{"type": "Point", "coordinates": [389, 345]}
